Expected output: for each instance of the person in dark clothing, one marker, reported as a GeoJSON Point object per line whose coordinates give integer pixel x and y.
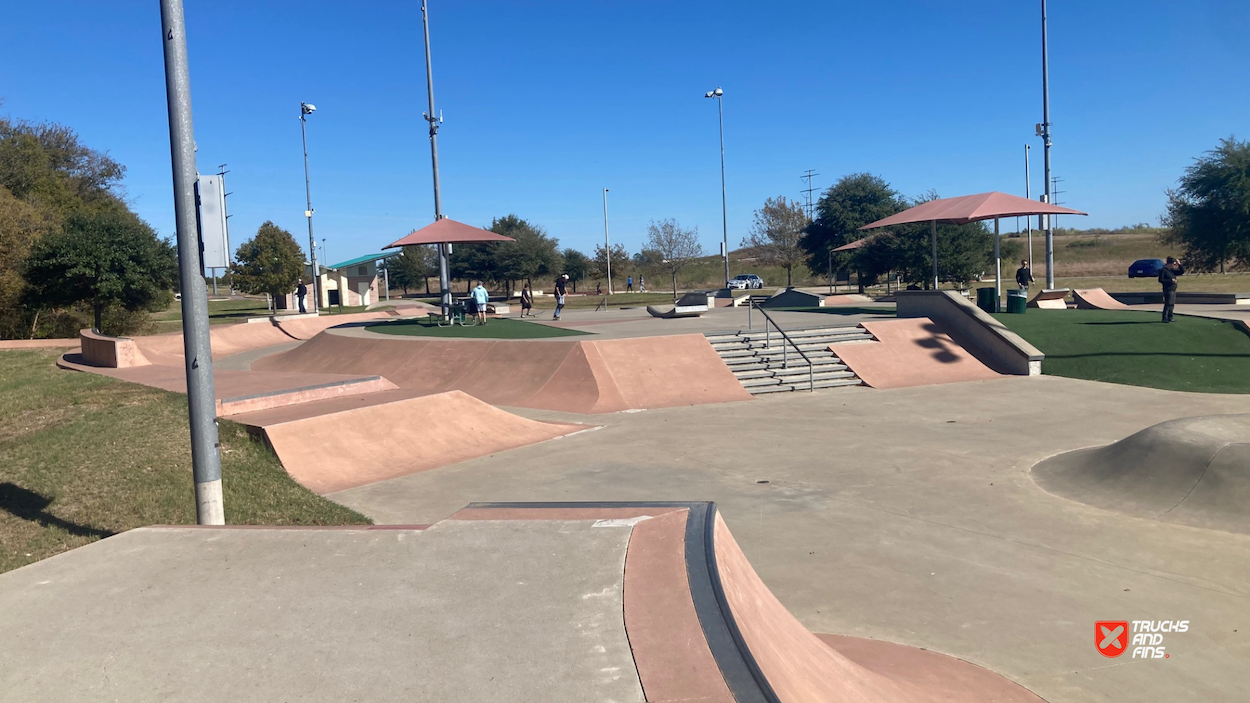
{"type": "Point", "coordinates": [301, 291]}
{"type": "Point", "coordinates": [560, 292]}
{"type": "Point", "coordinates": [1167, 276]}
{"type": "Point", "coordinates": [1024, 275]}
{"type": "Point", "coordinates": [527, 301]}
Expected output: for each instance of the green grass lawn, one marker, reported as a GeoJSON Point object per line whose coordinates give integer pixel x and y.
{"type": "Point", "coordinates": [84, 456]}
{"type": "Point", "coordinates": [1135, 348]}
{"type": "Point", "coordinates": [220, 312]}
{"type": "Point", "coordinates": [497, 328]}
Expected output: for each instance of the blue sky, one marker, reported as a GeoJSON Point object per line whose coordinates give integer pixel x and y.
{"type": "Point", "coordinates": [546, 103]}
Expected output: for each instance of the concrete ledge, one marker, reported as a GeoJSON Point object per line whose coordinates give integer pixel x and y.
{"type": "Point", "coordinates": [987, 338]}
{"type": "Point", "coordinates": [110, 352]}
{"type": "Point", "coordinates": [1183, 297]}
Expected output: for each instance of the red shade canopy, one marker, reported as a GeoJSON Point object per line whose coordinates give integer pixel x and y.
{"type": "Point", "coordinates": [853, 245]}
{"type": "Point", "coordinates": [972, 208]}
{"type": "Point", "coordinates": [446, 230]}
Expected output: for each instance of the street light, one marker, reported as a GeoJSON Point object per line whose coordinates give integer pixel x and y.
{"type": "Point", "coordinates": [607, 245]}
{"type": "Point", "coordinates": [306, 109]}
{"type": "Point", "coordinates": [724, 213]}
{"type": "Point", "coordinates": [1043, 131]}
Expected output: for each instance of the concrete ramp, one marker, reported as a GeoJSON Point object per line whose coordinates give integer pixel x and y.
{"type": "Point", "coordinates": [556, 602]}
{"type": "Point", "coordinates": [1192, 471]}
{"type": "Point", "coordinates": [1096, 299]}
{"type": "Point", "coordinates": [910, 352]}
{"type": "Point", "coordinates": [575, 376]}
{"type": "Point", "coordinates": [346, 442]}
{"type": "Point", "coordinates": [1050, 299]}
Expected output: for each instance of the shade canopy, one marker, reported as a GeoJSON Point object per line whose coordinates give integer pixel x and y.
{"type": "Point", "coordinates": [972, 208]}
{"type": "Point", "coordinates": [853, 245]}
{"type": "Point", "coordinates": [446, 231]}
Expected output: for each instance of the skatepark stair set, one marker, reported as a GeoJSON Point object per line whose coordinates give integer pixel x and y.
{"type": "Point", "coordinates": [764, 362]}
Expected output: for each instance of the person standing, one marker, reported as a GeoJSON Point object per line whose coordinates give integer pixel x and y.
{"type": "Point", "coordinates": [1024, 275]}
{"type": "Point", "coordinates": [301, 291]}
{"type": "Point", "coordinates": [1167, 277]}
{"type": "Point", "coordinates": [560, 291]}
{"type": "Point", "coordinates": [480, 299]}
{"type": "Point", "coordinates": [629, 284]}
{"type": "Point", "coordinates": [642, 284]}
{"type": "Point", "coordinates": [527, 301]}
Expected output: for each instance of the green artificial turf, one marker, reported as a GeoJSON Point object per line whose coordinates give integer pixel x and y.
{"type": "Point", "coordinates": [84, 456]}
{"type": "Point", "coordinates": [1135, 348]}
{"type": "Point", "coordinates": [498, 328]}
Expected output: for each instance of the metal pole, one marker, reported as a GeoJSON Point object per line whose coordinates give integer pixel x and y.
{"type": "Point", "coordinates": [1050, 232]}
{"type": "Point", "coordinates": [386, 275]}
{"type": "Point", "coordinates": [308, 213]}
{"type": "Point", "coordinates": [196, 344]}
{"type": "Point", "coordinates": [607, 245]}
{"type": "Point", "coordinates": [933, 236]}
{"type": "Point", "coordinates": [444, 250]}
{"type": "Point", "coordinates": [724, 212]}
{"type": "Point", "coordinates": [998, 271]}
{"type": "Point", "coordinates": [830, 272]}
{"type": "Point", "coordinates": [1028, 195]}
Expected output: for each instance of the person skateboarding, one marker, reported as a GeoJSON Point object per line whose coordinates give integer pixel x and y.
{"type": "Point", "coordinates": [1024, 275]}
{"type": "Point", "coordinates": [527, 301]}
{"type": "Point", "coordinates": [1167, 277]}
{"type": "Point", "coordinates": [480, 298]}
{"type": "Point", "coordinates": [301, 291]}
{"type": "Point", "coordinates": [560, 291]}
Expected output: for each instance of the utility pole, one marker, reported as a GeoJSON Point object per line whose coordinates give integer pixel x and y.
{"type": "Point", "coordinates": [1028, 195]}
{"type": "Point", "coordinates": [607, 245]}
{"type": "Point", "coordinates": [221, 171]}
{"type": "Point", "coordinates": [718, 94]}
{"type": "Point", "coordinates": [435, 119]}
{"type": "Point", "coordinates": [196, 343]}
{"type": "Point", "coordinates": [807, 192]}
{"type": "Point", "coordinates": [306, 109]}
{"type": "Point", "coordinates": [1055, 193]}
{"type": "Point", "coordinates": [1043, 131]}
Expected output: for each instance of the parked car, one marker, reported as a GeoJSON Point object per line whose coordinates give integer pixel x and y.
{"type": "Point", "coordinates": [1145, 268]}
{"type": "Point", "coordinates": [743, 281]}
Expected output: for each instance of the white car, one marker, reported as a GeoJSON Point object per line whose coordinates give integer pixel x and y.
{"type": "Point", "coordinates": [744, 281]}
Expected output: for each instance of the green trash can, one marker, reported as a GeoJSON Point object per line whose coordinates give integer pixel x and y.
{"type": "Point", "coordinates": [1017, 301]}
{"type": "Point", "coordinates": [986, 299]}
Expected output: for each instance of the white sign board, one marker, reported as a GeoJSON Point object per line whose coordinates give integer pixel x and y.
{"type": "Point", "coordinates": [213, 235]}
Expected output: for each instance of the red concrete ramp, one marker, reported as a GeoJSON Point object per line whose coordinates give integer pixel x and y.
{"type": "Point", "coordinates": [343, 443]}
{"type": "Point", "coordinates": [910, 352]}
{"type": "Point", "coordinates": [576, 376]}
{"type": "Point", "coordinates": [1096, 299]}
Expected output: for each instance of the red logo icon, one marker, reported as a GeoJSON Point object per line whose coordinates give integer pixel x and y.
{"type": "Point", "coordinates": [1111, 637]}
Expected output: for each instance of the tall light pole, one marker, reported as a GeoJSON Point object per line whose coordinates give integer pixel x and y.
{"type": "Point", "coordinates": [1043, 131]}
{"type": "Point", "coordinates": [196, 343]}
{"type": "Point", "coordinates": [432, 117]}
{"type": "Point", "coordinates": [724, 213]}
{"type": "Point", "coordinates": [1028, 195]}
{"type": "Point", "coordinates": [306, 109]}
{"type": "Point", "coordinates": [607, 245]}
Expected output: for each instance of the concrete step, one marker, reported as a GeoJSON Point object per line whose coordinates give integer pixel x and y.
{"type": "Point", "coordinates": [794, 379]}
{"type": "Point", "coordinates": [790, 387]}
{"type": "Point", "coordinates": [746, 355]}
{"type": "Point", "coordinates": [817, 371]}
{"type": "Point", "coordinates": [816, 345]}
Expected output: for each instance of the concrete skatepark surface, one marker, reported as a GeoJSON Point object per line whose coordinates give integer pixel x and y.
{"type": "Point", "coordinates": [910, 352]}
{"type": "Point", "coordinates": [1192, 471]}
{"type": "Point", "coordinates": [632, 602]}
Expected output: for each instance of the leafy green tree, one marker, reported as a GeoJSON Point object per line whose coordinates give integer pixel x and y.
{"type": "Point", "coordinates": [102, 258]}
{"type": "Point", "coordinates": [676, 245]}
{"type": "Point", "coordinates": [1209, 211]}
{"type": "Point", "coordinates": [270, 262]}
{"type": "Point", "coordinates": [620, 261]}
{"type": "Point", "coordinates": [21, 225]}
{"type": "Point", "coordinates": [45, 164]}
{"type": "Point", "coordinates": [577, 265]}
{"type": "Point", "coordinates": [413, 267]}
{"type": "Point", "coordinates": [851, 203]}
{"type": "Point", "coordinates": [533, 254]}
{"type": "Point", "coordinates": [777, 234]}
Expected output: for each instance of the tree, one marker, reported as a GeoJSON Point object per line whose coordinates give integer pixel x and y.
{"type": "Point", "coordinates": [620, 260]}
{"type": "Point", "coordinates": [45, 163]}
{"type": "Point", "coordinates": [269, 263]}
{"type": "Point", "coordinates": [1209, 211]}
{"type": "Point", "coordinates": [102, 258]}
{"type": "Point", "coordinates": [851, 203]}
{"type": "Point", "coordinates": [21, 225]}
{"type": "Point", "coordinates": [533, 254]}
{"type": "Point", "coordinates": [677, 246]}
{"type": "Point", "coordinates": [412, 267]}
{"type": "Point", "coordinates": [576, 265]}
{"type": "Point", "coordinates": [778, 234]}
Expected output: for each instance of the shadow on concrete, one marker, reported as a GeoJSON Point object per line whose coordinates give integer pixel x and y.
{"type": "Point", "coordinates": [28, 505]}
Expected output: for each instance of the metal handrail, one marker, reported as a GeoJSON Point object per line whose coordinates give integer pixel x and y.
{"type": "Point", "coordinates": [768, 344]}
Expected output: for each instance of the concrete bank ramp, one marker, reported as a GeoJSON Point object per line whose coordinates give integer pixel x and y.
{"type": "Point", "coordinates": [598, 376]}
{"type": "Point", "coordinates": [914, 351]}
{"type": "Point", "coordinates": [1192, 471]}
{"type": "Point", "coordinates": [557, 602]}
{"type": "Point", "coordinates": [1096, 299]}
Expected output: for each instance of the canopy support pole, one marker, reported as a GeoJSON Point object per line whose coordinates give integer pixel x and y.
{"type": "Point", "coordinates": [933, 236]}
{"type": "Point", "coordinates": [998, 271]}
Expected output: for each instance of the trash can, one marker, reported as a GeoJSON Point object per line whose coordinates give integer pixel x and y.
{"type": "Point", "coordinates": [986, 299]}
{"type": "Point", "coordinates": [1017, 301]}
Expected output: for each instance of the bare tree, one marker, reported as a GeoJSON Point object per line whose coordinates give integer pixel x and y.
{"type": "Point", "coordinates": [676, 246]}
{"type": "Point", "coordinates": [778, 234]}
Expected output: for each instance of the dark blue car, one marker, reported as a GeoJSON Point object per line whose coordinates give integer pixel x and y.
{"type": "Point", "coordinates": [1145, 268]}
